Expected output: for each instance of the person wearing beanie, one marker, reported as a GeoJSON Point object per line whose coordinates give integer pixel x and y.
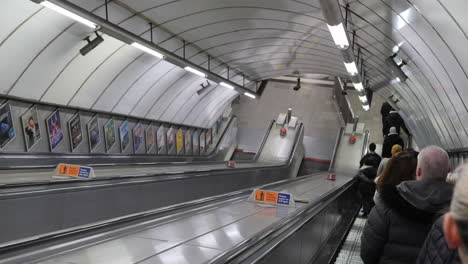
{"type": "Point", "coordinates": [395, 149]}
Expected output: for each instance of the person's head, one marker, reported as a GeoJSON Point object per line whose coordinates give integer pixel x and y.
{"type": "Point", "coordinates": [453, 176]}
{"type": "Point", "coordinates": [399, 168]}
{"type": "Point", "coordinates": [456, 220]}
{"type": "Point", "coordinates": [372, 147]}
{"type": "Point", "coordinates": [433, 163]}
{"type": "Point", "coordinates": [31, 122]}
{"type": "Point", "coordinates": [395, 149]}
{"type": "Point", "coordinates": [393, 130]}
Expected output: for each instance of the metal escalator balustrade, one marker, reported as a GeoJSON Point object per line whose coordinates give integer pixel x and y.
{"type": "Point", "coordinates": [77, 203]}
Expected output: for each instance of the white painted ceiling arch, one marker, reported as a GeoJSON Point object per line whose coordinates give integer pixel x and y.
{"type": "Point", "coordinates": [262, 39]}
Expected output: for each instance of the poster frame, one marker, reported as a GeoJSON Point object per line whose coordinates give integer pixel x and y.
{"type": "Point", "coordinates": [38, 127]}
{"type": "Point", "coordinates": [51, 147]}
{"type": "Point", "coordinates": [150, 131]}
{"type": "Point", "coordinates": [124, 126]}
{"type": "Point", "coordinates": [141, 137]}
{"type": "Point", "coordinates": [89, 130]}
{"type": "Point", "coordinates": [77, 115]}
{"type": "Point", "coordinates": [106, 144]}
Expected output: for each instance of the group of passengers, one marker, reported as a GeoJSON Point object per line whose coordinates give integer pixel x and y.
{"type": "Point", "coordinates": [411, 215]}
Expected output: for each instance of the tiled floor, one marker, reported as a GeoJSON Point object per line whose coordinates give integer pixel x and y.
{"type": "Point", "coordinates": [350, 252]}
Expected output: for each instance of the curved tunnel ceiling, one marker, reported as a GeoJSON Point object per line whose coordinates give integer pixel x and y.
{"type": "Point", "coordinates": [261, 38]}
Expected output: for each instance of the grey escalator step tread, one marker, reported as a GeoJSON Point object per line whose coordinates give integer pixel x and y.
{"type": "Point", "coordinates": [350, 251]}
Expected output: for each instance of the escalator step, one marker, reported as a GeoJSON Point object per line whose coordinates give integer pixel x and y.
{"type": "Point", "coordinates": [350, 251]}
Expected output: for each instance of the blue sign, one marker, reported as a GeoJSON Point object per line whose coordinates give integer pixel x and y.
{"type": "Point", "coordinates": [284, 198]}
{"type": "Point", "coordinates": [84, 172]}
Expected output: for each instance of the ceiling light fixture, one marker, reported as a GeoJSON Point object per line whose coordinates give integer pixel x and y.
{"type": "Point", "coordinates": [69, 14]}
{"type": "Point", "coordinates": [363, 99]}
{"type": "Point", "coordinates": [147, 50]}
{"type": "Point", "coordinates": [351, 68]}
{"type": "Point", "coordinates": [358, 87]}
{"type": "Point", "coordinates": [250, 95]}
{"type": "Point", "coordinates": [339, 35]}
{"type": "Point", "coordinates": [226, 85]}
{"type": "Point", "coordinates": [366, 107]}
{"type": "Point", "coordinates": [197, 72]}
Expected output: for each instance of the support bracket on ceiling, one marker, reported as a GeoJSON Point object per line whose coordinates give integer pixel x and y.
{"type": "Point", "coordinates": [346, 16]}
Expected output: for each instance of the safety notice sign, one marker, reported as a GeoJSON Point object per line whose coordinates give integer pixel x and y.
{"type": "Point", "coordinates": [74, 171]}
{"type": "Point", "coordinates": [279, 198]}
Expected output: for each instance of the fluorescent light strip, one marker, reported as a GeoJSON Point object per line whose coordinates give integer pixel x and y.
{"type": "Point", "coordinates": [147, 50]}
{"type": "Point", "coordinates": [358, 87]}
{"type": "Point", "coordinates": [366, 107]}
{"type": "Point", "coordinates": [226, 85]}
{"type": "Point", "coordinates": [351, 68]}
{"type": "Point", "coordinates": [197, 72]}
{"type": "Point", "coordinates": [69, 14]}
{"type": "Point", "coordinates": [250, 95]}
{"type": "Point", "coordinates": [339, 35]}
{"type": "Point", "coordinates": [363, 99]}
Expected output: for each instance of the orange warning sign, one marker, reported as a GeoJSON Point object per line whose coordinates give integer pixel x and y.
{"type": "Point", "coordinates": [69, 170]}
{"type": "Point", "coordinates": [265, 196]}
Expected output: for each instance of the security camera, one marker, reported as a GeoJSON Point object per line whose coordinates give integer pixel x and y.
{"type": "Point", "coordinates": [91, 44]}
{"type": "Point", "coordinates": [396, 68]}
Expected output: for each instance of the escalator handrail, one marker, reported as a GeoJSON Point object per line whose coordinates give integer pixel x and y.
{"type": "Point", "coordinates": [265, 137]}
{"type": "Point", "coordinates": [306, 211]}
{"type": "Point", "coordinates": [335, 148]}
{"type": "Point", "coordinates": [116, 156]}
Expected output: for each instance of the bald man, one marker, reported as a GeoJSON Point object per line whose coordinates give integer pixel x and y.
{"type": "Point", "coordinates": [397, 227]}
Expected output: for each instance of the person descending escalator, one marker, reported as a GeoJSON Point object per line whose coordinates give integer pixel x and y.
{"type": "Point", "coordinates": [366, 177]}
{"type": "Point", "coordinates": [393, 119]}
{"type": "Point", "coordinates": [397, 227]}
{"type": "Point", "coordinates": [384, 111]}
{"type": "Point", "coordinates": [371, 157]}
{"type": "Point", "coordinates": [389, 141]}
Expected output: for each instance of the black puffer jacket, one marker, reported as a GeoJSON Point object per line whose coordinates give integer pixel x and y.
{"type": "Point", "coordinates": [371, 159]}
{"type": "Point", "coordinates": [389, 141]}
{"type": "Point", "coordinates": [435, 249]}
{"type": "Point", "coordinates": [394, 119]}
{"type": "Point", "coordinates": [397, 227]}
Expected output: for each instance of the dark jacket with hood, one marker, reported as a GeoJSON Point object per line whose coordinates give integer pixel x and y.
{"type": "Point", "coordinates": [389, 141]}
{"type": "Point", "coordinates": [372, 159]}
{"type": "Point", "coordinates": [394, 119]}
{"type": "Point", "coordinates": [435, 249]}
{"type": "Point", "coordinates": [396, 228]}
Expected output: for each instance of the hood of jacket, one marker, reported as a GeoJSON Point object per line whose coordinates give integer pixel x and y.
{"type": "Point", "coordinates": [429, 195]}
{"type": "Point", "coordinates": [422, 200]}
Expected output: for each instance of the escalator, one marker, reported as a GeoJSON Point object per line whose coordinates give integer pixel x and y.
{"type": "Point", "coordinates": [121, 191]}
{"type": "Point", "coordinates": [223, 228]}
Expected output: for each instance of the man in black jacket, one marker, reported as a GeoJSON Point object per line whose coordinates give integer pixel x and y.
{"type": "Point", "coordinates": [394, 119]}
{"type": "Point", "coordinates": [397, 227]}
{"type": "Point", "coordinates": [371, 158]}
{"type": "Point", "coordinates": [389, 141]}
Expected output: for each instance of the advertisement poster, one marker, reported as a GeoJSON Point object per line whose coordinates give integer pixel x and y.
{"type": "Point", "coordinates": [32, 131]}
{"type": "Point", "coordinates": [161, 138]}
{"type": "Point", "coordinates": [93, 133]}
{"type": "Point", "coordinates": [74, 130]}
{"type": "Point", "coordinates": [196, 142]}
{"type": "Point", "coordinates": [54, 130]}
{"type": "Point", "coordinates": [149, 137]}
{"type": "Point", "coordinates": [171, 141]}
{"type": "Point", "coordinates": [109, 134]}
{"type": "Point", "coordinates": [180, 141]}
{"type": "Point", "coordinates": [208, 138]}
{"type": "Point", "coordinates": [202, 142]}
{"type": "Point", "coordinates": [188, 142]}
{"type": "Point", "coordinates": [124, 136]}
{"type": "Point", "coordinates": [137, 137]}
